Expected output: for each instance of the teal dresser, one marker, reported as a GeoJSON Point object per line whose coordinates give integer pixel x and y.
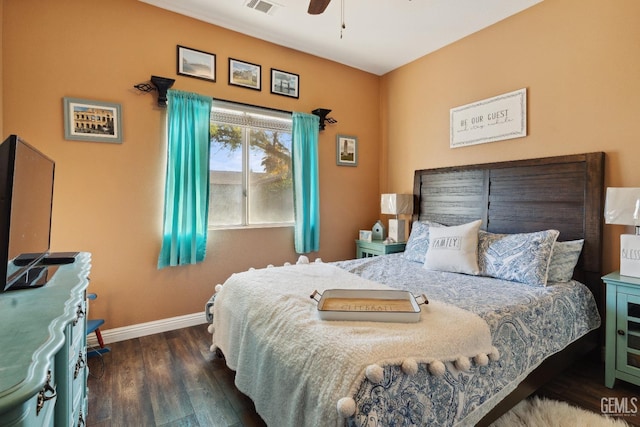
{"type": "Point", "coordinates": [43, 371]}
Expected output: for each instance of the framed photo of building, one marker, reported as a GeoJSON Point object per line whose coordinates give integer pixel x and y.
{"type": "Point", "coordinates": [196, 63]}
{"type": "Point", "coordinates": [94, 121]}
{"type": "Point", "coordinates": [245, 74]}
{"type": "Point", "coordinates": [346, 150]}
{"type": "Point", "coordinates": [284, 83]}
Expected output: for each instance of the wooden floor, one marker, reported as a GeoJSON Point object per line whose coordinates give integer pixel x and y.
{"type": "Point", "coordinates": [172, 379]}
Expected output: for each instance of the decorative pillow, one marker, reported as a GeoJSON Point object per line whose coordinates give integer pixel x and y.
{"type": "Point", "coordinates": [564, 259]}
{"type": "Point", "coordinates": [418, 243]}
{"type": "Point", "coordinates": [521, 257]}
{"type": "Point", "coordinates": [454, 249]}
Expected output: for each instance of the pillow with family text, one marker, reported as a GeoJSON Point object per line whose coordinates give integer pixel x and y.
{"type": "Point", "coordinates": [522, 257]}
{"type": "Point", "coordinates": [564, 259]}
{"type": "Point", "coordinates": [454, 249]}
{"type": "Point", "coordinates": [418, 243]}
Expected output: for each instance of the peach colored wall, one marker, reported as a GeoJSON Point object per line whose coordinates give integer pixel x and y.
{"type": "Point", "coordinates": [579, 62]}
{"type": "Point", "coordinates": [108, 197]}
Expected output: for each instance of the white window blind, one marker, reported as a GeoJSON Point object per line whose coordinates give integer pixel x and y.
{"type": "Point", "coordinates": [250, 116]}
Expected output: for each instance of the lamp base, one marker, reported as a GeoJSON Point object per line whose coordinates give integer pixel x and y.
{"type": "Point", "coordinates": [630, 255]}
{"type": "Point", "coordinates": [396, 230]}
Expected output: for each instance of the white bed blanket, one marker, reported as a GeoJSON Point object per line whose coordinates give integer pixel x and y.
{"type": "Point", "coordinates": [296, 367]}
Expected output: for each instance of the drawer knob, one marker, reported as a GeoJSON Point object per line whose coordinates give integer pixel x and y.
{"type": "Point", "coordinates": [79, 314]}
{"type": "Point", "coordinates": [620, 332]}
{"type": "Point", "coordinates": [80, 364]}
{"type": "Point", "coordinates": [47, 393]}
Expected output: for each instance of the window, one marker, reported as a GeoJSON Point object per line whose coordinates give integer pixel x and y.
{"type": "Point", "coordinates": [250, 166]}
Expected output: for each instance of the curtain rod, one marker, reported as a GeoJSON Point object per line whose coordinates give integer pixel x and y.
{"type": "Point", "coordinates": [163, 84]}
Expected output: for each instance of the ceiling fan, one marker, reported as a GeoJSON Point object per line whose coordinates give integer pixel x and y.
{"type": "Point", "coordinates": [316, 7]}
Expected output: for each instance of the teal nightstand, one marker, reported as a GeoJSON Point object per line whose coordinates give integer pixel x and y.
{"type": "Point", "coordinates": [622, 353]}
{"type": "Point", "coordinates": [366, 249]}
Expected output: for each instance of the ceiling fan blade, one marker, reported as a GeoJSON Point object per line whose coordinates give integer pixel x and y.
{"type": "Point", "coordinates": [316, 7]}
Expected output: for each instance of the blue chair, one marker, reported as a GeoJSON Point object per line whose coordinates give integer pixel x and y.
{"type": "Point", "coordinates": [93, 325]}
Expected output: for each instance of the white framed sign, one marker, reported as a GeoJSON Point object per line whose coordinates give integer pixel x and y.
{"type": "Point", "coordinates": [493, 119]}
{"type": "Point", "coordinates": [630, 255]}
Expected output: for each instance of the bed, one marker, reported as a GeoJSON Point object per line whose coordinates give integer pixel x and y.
{"type": "Point", "coordinates": [483, 343]}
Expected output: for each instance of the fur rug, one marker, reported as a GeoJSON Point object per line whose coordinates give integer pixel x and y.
{"type": "Point", "coordinates": [535, 412]}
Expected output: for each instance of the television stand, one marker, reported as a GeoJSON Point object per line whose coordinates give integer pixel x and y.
{"type": "Point", "coordinates": [59, 258]}
{"type": "Point", "coordinates": [35, 277]}
{"type": "Point", "coordinates": [53, 258]}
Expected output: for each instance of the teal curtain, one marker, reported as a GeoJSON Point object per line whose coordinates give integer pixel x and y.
{"type": "Point", "coordinates": [186, 196]}
{"type": "Point", "coordinates": [304, 153]}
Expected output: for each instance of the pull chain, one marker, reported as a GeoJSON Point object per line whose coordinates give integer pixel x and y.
{"type": "Point", "coordinates": [343, 26]}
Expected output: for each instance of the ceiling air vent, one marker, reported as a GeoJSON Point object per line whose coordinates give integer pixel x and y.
{"type": "Point", "coordinates": [262, 6]}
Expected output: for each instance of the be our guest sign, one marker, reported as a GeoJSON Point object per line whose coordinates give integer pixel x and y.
{"type": "Point", "coordinates": [493, 119]}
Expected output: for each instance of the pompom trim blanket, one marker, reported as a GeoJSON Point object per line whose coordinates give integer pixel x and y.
{"type": "Point", "coordinates": [301, 370]}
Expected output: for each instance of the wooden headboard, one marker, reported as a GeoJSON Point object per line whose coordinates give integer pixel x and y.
{"type": "Point", "coordinates": [564, 193]}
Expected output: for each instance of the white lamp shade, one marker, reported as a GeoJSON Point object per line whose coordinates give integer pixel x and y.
{"type": "Point", "coordinates": [396, 204]}
{"type": "Point", "coordinates": [622, 206]}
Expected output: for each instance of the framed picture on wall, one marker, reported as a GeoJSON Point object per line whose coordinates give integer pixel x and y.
{"type": "Point", "coordinates": [346, 150]}
{"type": "Point", "coordinates": [94, 121]}
{"type": "Point", "coordinates": [284, 83]}
{"type": "Point", "coordinates": [196, 63]}
{"type": "Point", "coordinates": [245, 74]}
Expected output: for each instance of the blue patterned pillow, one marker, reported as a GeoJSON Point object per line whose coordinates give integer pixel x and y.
{"type": "Point", "coordinates": [564, 259]}
{"type": "Point", "coordinates": [418, 243]}
{"type": "Point", "coordinates": [517, 257]}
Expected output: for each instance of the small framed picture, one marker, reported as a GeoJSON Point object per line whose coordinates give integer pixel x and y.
{"type": "Point", "coordinates": [346, 150]}
{"type": "Point", "coordinates": [284, 83]}
{"type": "Point", "coordinates": [196, 63]}
{"type": "Point", "coordinates": [366, 235]}
{"type": "Point", "coordinates": [94, 121]}
{"type": "Point", "coordinates": [245, 74]}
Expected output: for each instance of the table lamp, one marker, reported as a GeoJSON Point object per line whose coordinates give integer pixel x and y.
{"type": "Point", "coordinates": [622, 206]}
{"type": "Point", "coordinates": [396, 204]}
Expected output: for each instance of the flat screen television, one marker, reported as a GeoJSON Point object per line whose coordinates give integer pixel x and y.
{"type": "Point", "coordinates": [26, 195]}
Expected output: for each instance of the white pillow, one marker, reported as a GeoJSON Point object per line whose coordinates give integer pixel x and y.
{"type": "Point", "coordinates": [454, 249]}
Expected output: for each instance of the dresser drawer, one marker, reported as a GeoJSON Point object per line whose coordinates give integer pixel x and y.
{"type": "Point", "coordinates": [36, 411]}
{"type": "Point", "coordinates": [79, 378]}
{"type": "Point", "coordinates": [78, 327]}
{"type": "Point", "coordinates": [80, 402]}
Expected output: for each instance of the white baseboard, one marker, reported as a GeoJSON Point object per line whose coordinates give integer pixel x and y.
{"type": "Point", "coordinates": [148, 328]}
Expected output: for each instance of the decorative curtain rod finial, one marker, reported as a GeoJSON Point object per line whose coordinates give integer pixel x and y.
{"type": "Point", "coordinates": [322, 113]}
{"type": "Point", "coordinates": [161, 84]}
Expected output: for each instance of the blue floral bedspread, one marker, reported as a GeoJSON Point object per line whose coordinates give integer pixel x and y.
{"type": "Point", "coordinates": [527, 323]}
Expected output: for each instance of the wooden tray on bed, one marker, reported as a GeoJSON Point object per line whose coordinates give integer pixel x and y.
{"type": "Point", "coordinates": [373, 305]}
